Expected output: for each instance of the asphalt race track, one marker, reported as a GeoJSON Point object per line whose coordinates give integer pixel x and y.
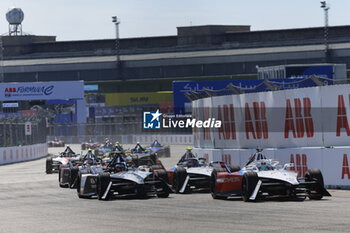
{"type": "Point", "coordinates": [31, 201]}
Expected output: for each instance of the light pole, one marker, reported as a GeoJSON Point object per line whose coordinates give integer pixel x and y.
{"type": "Point", "coordinates": [117, 47]}
{"type": "Point", "coordinates": [325, 8]}
{"type": "Point", "coordinates": [1, 60]}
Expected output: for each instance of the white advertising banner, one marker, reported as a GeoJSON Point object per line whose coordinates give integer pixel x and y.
{"type": "Point", "coordinates": [226, 109]}
{"type": "Point", "coordinates": [336, 113]}
{"type": "Point", "coordinates": [302, 118]}
{"type": "Point", "coordinates": [315, 116]}
{"type": "Point", "coordinates": [254, 131]}
{"type": "Point", "coordinates": [22, 153]}
{"type": "Point", "coordinates": [41, 90]}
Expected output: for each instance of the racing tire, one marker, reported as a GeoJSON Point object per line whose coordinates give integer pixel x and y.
{"type": "Point", "coordinates": [213, 183]}
{"type": "Point", "coordinates": [102, 183]}
{"type": "Point", "coordinates": [73, 177]}
{"type": "Point", "coordinates": [249, 182]}
{"type": "Point", "coordinates": [59, 176]}
{"type": "Point", "coordinates": [155, 168]}
{"type": "Point", "coordinates": [81, 172]}
{"type": "Point", "coordinates": [162, 176]}
{"type": "Point", "coordinates": [234, 168]}
{"type": "Point", "coordinates": [179, 178]}
{"type": "Point", "coordinates": [83, 146]}
{"type": "Point", "coordinates": [49, 166]}
{"type": "Point", "coordinates": [315, 175]}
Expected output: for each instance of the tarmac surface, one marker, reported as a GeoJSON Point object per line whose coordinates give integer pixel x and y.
{"type": "Point", "coordinates": [31, 201]}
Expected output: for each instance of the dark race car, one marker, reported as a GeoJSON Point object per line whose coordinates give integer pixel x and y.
{"type": "Point", "coordinates": [262, 178]}
{"type": "Point", "coordinates": [56, 143]}
{"type": "Point", "coordinates": [161, 150]}
{"type": "Point", "coordinates": [124, 177]}
{"type": "Point", "coordinates": [104, 150]}
{"type": "Point", "coordinates": [192, 173]}
{"type": "Point", "coordinates": [68, 173]}
{"type": "Point", "coordinates": [53, 163]}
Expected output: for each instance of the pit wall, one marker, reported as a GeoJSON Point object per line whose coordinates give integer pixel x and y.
{"type": "Point", "coordinates": [22, 153]}
{"type": "Point", "coordinates": [333, 162]}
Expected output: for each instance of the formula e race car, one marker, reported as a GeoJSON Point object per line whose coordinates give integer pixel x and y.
{"type": "Point", "coordinates": [104, 149]}
{"type": "Point", "coordinates": [90, 144]}
{"type": "Point", "coordinates": [262, 178]}
{"type": "Point", "coordinates": [53, 163]}
{"type": "Point", "coordinates": [55, 143]}
{"type": "Point", "coordinates": [162, 151]}
{"type": "Point", "coordinates": [122, 179]}
{"type": "Point", "coordinates": [192, 173]}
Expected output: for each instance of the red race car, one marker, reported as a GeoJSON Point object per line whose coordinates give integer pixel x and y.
{"type": "Point", "coordinates": [56, 143]}
{"type": "Point", "coordinates": [262, 177]}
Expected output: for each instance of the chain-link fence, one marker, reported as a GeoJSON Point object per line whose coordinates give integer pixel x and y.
{"type": "Point", "coordinates": [13, 131]}
{"type": "Point", "coordinates": [78, 133]}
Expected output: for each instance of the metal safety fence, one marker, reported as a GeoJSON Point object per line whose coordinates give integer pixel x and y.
{"type": "Point", "coordinates": [20, 131]}
{"type": "Point", "coordinates": [78, 133]}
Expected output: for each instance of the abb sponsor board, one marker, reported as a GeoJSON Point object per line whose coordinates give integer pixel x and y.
{"type": "Point", "coordinates": [315, 116]}
{"type": "Point", "coordinates": [333, 162]}
{"type": "Point", "coordinates": [22, 153]}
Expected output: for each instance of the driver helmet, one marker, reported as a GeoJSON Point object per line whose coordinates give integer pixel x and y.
{"type": "Point", "coordinates": [263, 166]}
{"type": "Point", "coordinates": [89, 150]}
{"type": "Point", "coordinates": [193, 163]}
{"type": "Point", "coordinates": [119, 167]}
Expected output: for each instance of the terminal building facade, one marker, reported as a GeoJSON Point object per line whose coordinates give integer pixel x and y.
{"type": "Point", "coordinates": [149, 65]}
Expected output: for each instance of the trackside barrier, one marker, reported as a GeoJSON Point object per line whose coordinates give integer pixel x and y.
{"type": "Point", "coordinates": [22, 153]}
{"type": "Point", "coordinates": [305, 117]}
{"type": "Point", "coordinates": [164, 139]}
{"type": "Point", "coordinates": [333, 162]}
{"type": "Point", "coordinates": [185, 139]}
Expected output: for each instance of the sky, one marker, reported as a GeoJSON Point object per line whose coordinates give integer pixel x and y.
{"type": "Point", "coordinates": [92, 19]}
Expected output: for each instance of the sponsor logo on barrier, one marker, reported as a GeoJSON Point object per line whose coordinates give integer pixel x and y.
{"type": "Point", "coordinates": [226, 158]}
{"type": "Point", "coordinates": [228, 129]}
{"type": "Point", "coordinates": [345, 170]}
{"type": "Point", "coordinates": [261, 128]}
{"type": "Point", "coordinates": [300, 164]}
{"type": "Point", "coordinates": [302, 123]}
{"type": "Point", "coordinates": [342, 119]}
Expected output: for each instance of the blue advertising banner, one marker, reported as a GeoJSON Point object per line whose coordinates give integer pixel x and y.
{"type": "Point", "coordinates": [182, 105]}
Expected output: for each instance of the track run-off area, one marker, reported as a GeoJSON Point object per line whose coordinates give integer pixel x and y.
{"type": "Point", "coordinates": [32, 201]}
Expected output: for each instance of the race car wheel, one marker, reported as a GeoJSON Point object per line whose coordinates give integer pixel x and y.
{"type": "Point", "coordinates": [155, 168]}
{"type": "Point", "coordinates": [80, 173]}
{"type": "Point", "coordinates": [249, 182]}
{"type": "Point", "coordinates": [162, 176]}
{"type": "Point", "coordinates": [315, 175]}
{"type": "Point", "coordinates": [60, 174]}
{"type": "Point", "coordinates": [213, 179]}
{"type": "Point", "coordinates": [48, 165]}
{"type": "Point", "coordinates": [234, 168]}
{"type": "Point", "coordinates": [73, 177]}
{"type": "Point", "coordinates": [83, 146]}
{"type": "Point", "coordinates": [180, 175]}
{"type": "Point", "coordinates": [103, 180]}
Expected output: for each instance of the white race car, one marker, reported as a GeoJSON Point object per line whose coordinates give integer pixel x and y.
{"type": "Point", "coordinates": [262, 177]}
